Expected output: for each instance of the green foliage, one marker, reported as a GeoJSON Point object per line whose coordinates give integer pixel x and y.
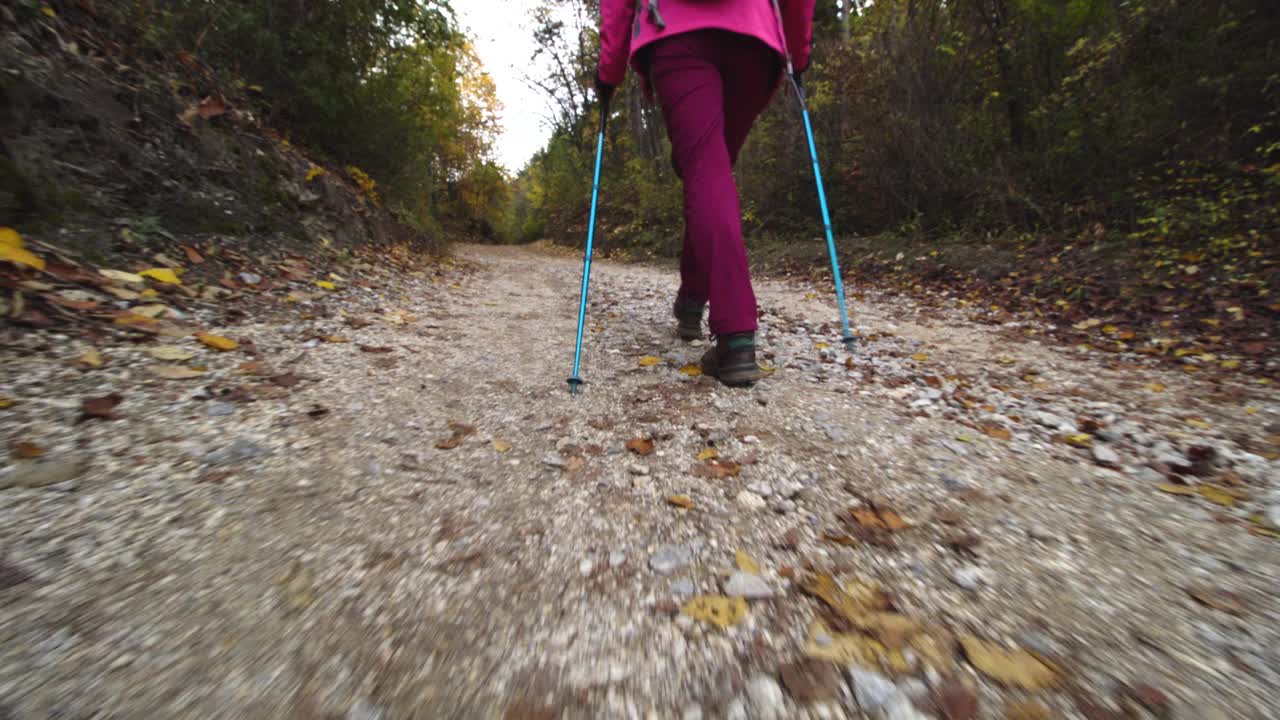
{"type": "Point", "coordinates": [389, 87]}
{"type": "Point", "coordinates": [1155, 119]}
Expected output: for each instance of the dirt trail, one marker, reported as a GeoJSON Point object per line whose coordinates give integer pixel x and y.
{"type": "Point", "coordinates": [324, 552]}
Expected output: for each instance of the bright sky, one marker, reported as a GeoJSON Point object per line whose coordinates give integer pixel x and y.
{"type": "Point", "coordinates": [504, 40]}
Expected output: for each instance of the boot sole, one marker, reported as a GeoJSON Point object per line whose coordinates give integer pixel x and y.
{"type": "Point", "coordinates": [737, 376]}
{"type": "Point", "coordinates": [689, 334]}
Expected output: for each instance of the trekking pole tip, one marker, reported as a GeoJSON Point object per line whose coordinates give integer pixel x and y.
{"type": "Point", "coordinates": [574, 384]}
{"type": "Point", "coordinates": [850, 342]}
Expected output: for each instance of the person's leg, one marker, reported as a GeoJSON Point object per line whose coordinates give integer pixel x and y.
{"type": "Point", "coordinates": [690, 87]}
{"type": "Point", "coordinates": [750, 70]}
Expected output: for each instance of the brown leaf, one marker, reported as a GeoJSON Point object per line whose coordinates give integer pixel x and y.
{"type": "Point", "coordinates": [102, 408]}
{"type": "Point", "coordinates": [286, 380]}
{"type": "Point", "coordinates": [680, 501]}
{"type": "Point", "coordinates": [317, 411]}
{"type": "Point", "coordinates": [27, 450]}
{"type": "Point", "coordinates": [376, 348]}
{"type": "Point", "coordinates": [450, 442]}
{"type": "Point", "coordinates": [461, 428]}
{"type": "Point", "coordinates": [175, 372]}
{"type": "Point", "coordinates": [956, 701]}
{"type": "Point", "coordinates": [640, 446]}
{"type": "Point", "coordinates": [716, 469]}
{"type": "Point", "coordinates": [358, 323]}
{"type": "Point", "coordinates": [1027, 710]}
{"type": "Point", "coordinates": [998, 432]}
{"type": "Point", "coordinates": [211, 107]}
{"type": "Point", "coordinates": [1013, 668]}
{"type": "Point", "coordinates": [1227, 602]}
{"type": "Point", "coordinates": [809, 680]}
{"type": "Point", "coordinates": [1152, 698]}
{"type": "Point", "coordinates": [964, 544]}
{"type": "Point", "coordinates": [192, 256]}
{"type": "Point", "coordinates": [949, 516]}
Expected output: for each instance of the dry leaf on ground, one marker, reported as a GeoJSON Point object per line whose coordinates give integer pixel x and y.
{"type": "Point", "coordinates": [27, 450]}
{"type": "Point", "coordinates": [745, 563]}
{"type": "Point", "coordinates": [681, 501]}
{"type": "Point", "coordinates": [1014, 668]}
{"type": "Point", "coordinates": [376, 348]}
{"type": "Point", "coordinates": [640, 446]}
{"type": "Point", "coordinates": [649, 361]}
{"type": "Point", "coordinates": [707, 454]}
{"type": "Point", "coordinates": [163, 275]}
{"type": "Point", "coordinates": [717, 610]}
{"type": "Point", "coordinates": [217, 342]}
{"type": "Point", "coordinates": [1222, 600]}
{"type": "Point", "coordinates": [691, 370]}
{"type": "Point", "coordinates": [172, 353]}
{"type": "Point", "coordinates": [175, 372]}
{"type": "Point", "coordinates": [91, 359]}
{"type": "Point", "coordinates": [501, 446]}
{"type": "Point", "coordinates": [102, 408]}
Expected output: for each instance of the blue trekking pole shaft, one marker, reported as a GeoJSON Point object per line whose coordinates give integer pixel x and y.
{"type": "Point", "coordinates": [576, 380]}
{"type": "Point", "coordinates": [847, 334]}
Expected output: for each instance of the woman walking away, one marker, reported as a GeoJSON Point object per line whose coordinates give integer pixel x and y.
{"type": "Point", "coordinates": [713, 64]}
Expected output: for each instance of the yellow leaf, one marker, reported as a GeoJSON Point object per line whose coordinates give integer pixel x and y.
{"type": "Point", "coordinates": [1086, 324]}
{"type": "Point", "coordinates": [5, 403]}
{"type": "Point", "coordinates": [151, 311]}
{"type": "Point", "coordinates": [1198, 423]}
{"type": "Point", "coordinates": [1230, 364]}
{"type": "Point", "coordinates": [164, 275]}
{"type": "Point", "coordinates": [1014, 668]}
{"type": "Point", "coordinates": [336, 339]}
{"type": "Point", "coordinates": [1252, 410]}
{"type": "Point", "coordinates": [1156, 387]}
{"type": "Point", "coordinates": [708, 454]}
{"type": "Point", "coordinates": [1176, 489]}
{"type": "Point", "coordinates": [149, 293]}
{"type": "Point", "coordinates": [716, 610]}
{"type": "Point", "coordinates": [172, 353]}
{"type": "Point", "coordinates": [649, 361]}
{"type": "Point", "coordinates": [920, 357]}
{"type": "Point", "coordinates": [843, 648]}
{"type": "Point", "coordinates": [746, 564]}
{"type": "Point", "coordinates": [1080, 440]}
{"type": "Point", "coordinates": [326, 285]}
{"type": "Point", "coordinates": [217, 342]}
{"type": "Point", "coordinates": [314, 172]}
{"type": "Point", "coordinates": [91, 358]}
{"type": "Point", "coordinates": [175, 372]}
{"type": "Point", "coordinates": [680, 501]}
{"type": "Point", "coordinates": [19, 255]}
{"type": "Point", "coordinates": [10, 237]}
{"type": "Point", "coordinates": [501, 446]}
{"type": "Point", "coordinates": [1216, 495]}
{"type": "Point", "coordinates": [823, 346]}
{"type": "Point", "coordinates": [691, 370]}
{"type": "Point", "coordinates": [1110, 329]}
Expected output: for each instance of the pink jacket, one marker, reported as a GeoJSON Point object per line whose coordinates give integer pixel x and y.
{"type": "Point", "coordinates": [626, 26]}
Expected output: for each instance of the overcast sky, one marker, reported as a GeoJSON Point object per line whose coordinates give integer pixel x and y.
{"type": "Point", "coordinates": [504, 40]}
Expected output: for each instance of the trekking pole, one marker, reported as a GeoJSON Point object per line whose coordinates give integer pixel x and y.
{"type": "Point", "coordinates": [576, 381]}
{"type": "Point", "coordinates": [848, 339]}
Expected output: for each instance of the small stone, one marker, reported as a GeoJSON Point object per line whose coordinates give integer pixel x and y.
{"type": "Point", "coordinates": [363, 710]}
{"type": "Point", "coordinates": [766, 698]}
{"type": "Point", "coordinates": [683, 587]}
{"type": "Point", "coordinates": [760, 488]}
{"type": "Point", "coordinates": [638, 470]}
{"type": "Point", "coordinates": [1105, 456]}
{"type": "Point", "coordinates": [692, 712]}
{"type": "Point", "coordinates": [789, 489]}
{"type": "Point", "coordinates": [955, 484]}
{"type": "Point", "coordinates": [1040, 533]}
{"type": "Point", "coordinates": [553, 459]}
{"type": "Point", "coordinates": [872, 690]}
{"type": "Point", "coordinates": [249, 278]}
{"type": "Point", "coordinates": [1271, 516]}
{"type": "Point", "coordinates": [750, 439]}
{"type": "Point", "coordinates": [221, 409]}
{"type": "Point", "coordinates": [670, 557]}
{"type": "Point", "coordinates": [616, 558]}
{"type": "Point", "coordinates": [642, 483]}
{"type": "Point", "coordinates": [782, 507]}
{"type": "Point", "coordinates": [750, 500]}
{"type": "Point", "coordinates": [585, 567]}
{"type": "Point", "coordinates": [968, 578]}
{"type": "Point", "coordinates": [240, 450]}
{"type": "Point", "coordinates": [745, 585]}
{"type": "Point", "coordinates": [736, 710]}
{"type": "Point", "coordinates": [42, 474]}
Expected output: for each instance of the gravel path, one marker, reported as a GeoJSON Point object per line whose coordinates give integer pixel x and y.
{"type": "Point", "coordinates": [422, 523]}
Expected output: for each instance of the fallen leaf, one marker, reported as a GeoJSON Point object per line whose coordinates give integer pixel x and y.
{"type": "Point", "coordinates": [1013, 668]}
{"type": "Point", "coordinates": [717, 610]}
{"type": "Point", "coordinates": [1080, 440]}
{"type": "Point", "coordinates": [640, 446]}
{"type": "Point", "coordinates": [956, 701]}
{"type": "Point", "coordinates": [680, 501]}
{"type": "Point", "coordinates": [217, 342]}
{"type": "Point", "coordinates": [691, 370]}
{"type": "Point", "coordinates": [649, 361]}
{"type": "Point", "coordinates": [501, 446]}
{"type": "Point", "coordinates": [707, 454]}
{"type": "Point", "coordinates": [1156, 387]}
{"type": "Point", "coordinates": [286, 380]}
{"type": "Point", "coordinates": [998, 432]}
{"type": "Point", "coordinates": [132, 320]}
{"type": "Point", "coordinates": [122, 276]}
{"type": "Point", "coordinates": [1198, 423]}
{"type": "Point", "coordinates": [336, 339]}
{"type": "Point", "coordinates": [326, 285]}
{"type": "Point", "coordinates": [102, 408]}
{"type": "Point", "coordinates": [13, 250]}
{"type": "Point", "coordinates": [745, 563]}
{"type": "Point", "coordinates": [450, 442]}
{"type": "Point", "coordinates": [171, 353]}
{"type": "Point", "coordinates": [1176, 489]}
{"type": "Point", "coordinates": [175, 372]}
{"type": "Point", "coordinates": [5, 403]}
{"type": "Point", "coordinates": [1222, 600]}
{"type": "Point", "coordinates": [193, 256]}
{"type": "Point", "coordinates": [164, 275]}
{"type": "Point", "coordinates": [376, 348]}
{"type": "Point", "coordinates": [1216, 495]}
{"type": "Point", "coordinates": [90, 359]}
{"type": "Point", "coordinates": [27, 450]}
{"type": "Point", "coordinates": [716, 469]}
{"type": "Point", "coordinates": [920, 357]}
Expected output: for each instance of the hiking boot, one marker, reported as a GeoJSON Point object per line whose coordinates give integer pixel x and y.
{"type": "Point", "coordinates": [732, 360]}
{"type": "Point", "coordinates": [689, 319]}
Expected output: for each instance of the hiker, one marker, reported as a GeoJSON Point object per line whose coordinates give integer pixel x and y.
{"type": "Point", "coordinates": [713, 66]}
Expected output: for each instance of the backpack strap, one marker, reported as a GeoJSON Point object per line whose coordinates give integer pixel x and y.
{"type": "Point", "coordinates": [656, 16]}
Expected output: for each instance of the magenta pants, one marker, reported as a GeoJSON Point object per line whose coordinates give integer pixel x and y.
{"type": "Point", "coordinates": [712, 85]}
